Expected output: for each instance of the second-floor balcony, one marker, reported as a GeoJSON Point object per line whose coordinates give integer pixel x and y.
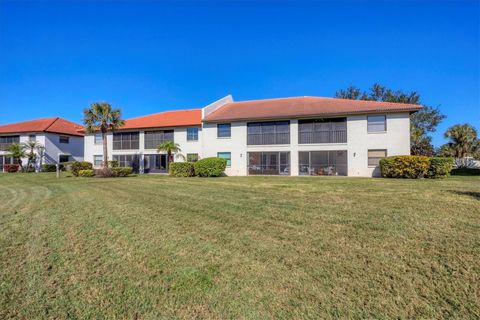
{"type": "Point", "coordinates": [7, 141]}
{"type": "Point", "coordinates": [322, 131]}
{"type": "Point", "coordinates": [272, 132]}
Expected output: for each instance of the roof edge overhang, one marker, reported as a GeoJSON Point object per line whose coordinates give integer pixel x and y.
{"type": "Point", "coordinates": [316, 115]}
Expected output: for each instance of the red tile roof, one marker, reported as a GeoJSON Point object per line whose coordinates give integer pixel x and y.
{"type": "Point", "coordinates": [166, 119]}
{"type": "Point", "coordinates": [299, 107]}
{"type": "Point", "coordinates": [53, 125]}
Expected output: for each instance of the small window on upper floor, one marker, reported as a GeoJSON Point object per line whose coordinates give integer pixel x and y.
{"type": "Point", "coordinates": [64, 139]}
{"type": "Point", "coordinates": [376, 124]}
{"type": "Point", "coordinates": [224, 130]}
{"type": "Point", "coordinates": [192, 134]}
{"type": "Point", "coordinates": [32, 137]}
{"type": "Point", "coordinates": [98, 138]}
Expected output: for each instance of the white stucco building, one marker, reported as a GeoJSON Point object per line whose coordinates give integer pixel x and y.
{"type": "Point", "coordinates": [287, 136]}
{"type": "Point", "coordinates": [62, 140]}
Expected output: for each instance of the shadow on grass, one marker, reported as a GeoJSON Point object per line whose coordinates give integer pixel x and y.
{"type": "Point", "coordinates": [473, 194]}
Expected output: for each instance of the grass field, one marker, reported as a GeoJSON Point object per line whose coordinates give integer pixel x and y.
{"type": "Point", "coordinates": [150, 247]}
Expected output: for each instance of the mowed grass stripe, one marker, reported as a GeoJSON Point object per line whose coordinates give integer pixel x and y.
{"type": "Point", "coordinates": [250, 247]}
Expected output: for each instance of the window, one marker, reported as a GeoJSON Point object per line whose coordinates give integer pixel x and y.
{"type": "Point", "coordinates": [98, 138]}
{"type": "Point", "coordinates": [127, 160]}
{"type": "Point", "coordinates": [322, 131]}
{"type": "Point", "coordinates": [154, 138]}
{"type": "Point", "coordinates": [6, 141]}
{"type": "Point", "coordinates": [377, 123]}
{"type": "Point", "coordinates": [272, 132]}
{"type": "Point", "coordinates": [192, 134]}
{"type": "Point", "coordinates": [227, 156]}
{"type": "Point", "coordinates": [125, 140]}
{"type": "Point", "coordinates": [192, 157]}
{"type": "Point", "coordinates": [374, 157]}
{"type": "Point", "coordinates": [97, 160]}
{"type": "Point", "coordinates": [224, 130]}
{"type": "Point", "coordinates": [63, 158]}
{"type": "Point", "coordinates": [64, 139]}
{"type": "Point", "coordinates": [32, 137]}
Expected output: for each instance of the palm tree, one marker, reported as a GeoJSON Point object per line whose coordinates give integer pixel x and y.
{"type": "Point", "coordinates": [169, 147]}
{"type": "Point", "coordinates": [17, 152]}
{"type": "Point", "coordinates": [30, 147]}
{"type": "Point", "coordinates": [101, 117]}
{"type": "Point", "coordinates": [41, 152]}
{"type": "Point", "coordinates": [463, 141]}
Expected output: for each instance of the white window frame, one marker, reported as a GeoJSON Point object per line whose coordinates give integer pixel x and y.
{"type": "Point", "coordinates": [95, 160]}
{"type": "Point", "coordinates": [377, 116]}
{"type": "Point", "coordinates": [96, 136]}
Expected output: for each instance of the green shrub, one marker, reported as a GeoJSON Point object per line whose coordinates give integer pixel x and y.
{"type": "Point", "coordinates": [80, 165]}
{"type": "Point", "coordinates": [181, 169]}
{"type": "Point", "coordinates": [50, 167]}
{"type": "Point", "coordinates": [105, 173]}
{"type": "Point", "coordinates": [113, 164]}
{"type": "Point", "coordinates": [86, 173]}
{"type": "Point", "coordinates": [122, 171]}
{"type": "Point", "coordinates": [410, 167]}
{"type": "Point", "coordinates": [466, 172]}
{"type": "Point", "coordinates": [440, 167]}
{"type": "Point", "coordinates": [210, 167]}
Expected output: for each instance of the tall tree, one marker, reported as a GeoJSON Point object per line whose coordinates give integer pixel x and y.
{"type": "Point", "coordinates": [17, 152]}
{"type": "Point", "coordinates": [31, 148]}
{"type": "Point", "coordinates": [102, 117]}
{"type": "Point", "coordinates": [463, 141]}
{"type": "Point", "coordinates": [422, 122]}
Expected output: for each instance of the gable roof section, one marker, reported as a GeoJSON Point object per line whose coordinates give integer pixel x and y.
{"type": "Point", "coordinates": [300, 107]}
{"type": "Point", "coordinates": [53, 125]}
{"type": "Point", "coordinates": [166, 119]}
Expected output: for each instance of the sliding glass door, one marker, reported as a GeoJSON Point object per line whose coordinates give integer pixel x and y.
{"type": "Point", "coordinates": [323, 163]}
{"type": "Point", "coordinates": [269, 163]}
{"type": "Point", "coordinates": [155, 163]}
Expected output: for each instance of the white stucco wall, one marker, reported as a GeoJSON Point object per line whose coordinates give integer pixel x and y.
{"type": "Point", "coordinates": [53, 147]}
{"type": "Point", "coordinates": [179, 136]}
{"type": "Point", "coordinates": [396, 140]}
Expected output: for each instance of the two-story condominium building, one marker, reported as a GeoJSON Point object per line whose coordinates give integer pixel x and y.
{"type": "Point", "coordinates": [62, 140]}
{"type": "Point", "coordinates": [287, 136]}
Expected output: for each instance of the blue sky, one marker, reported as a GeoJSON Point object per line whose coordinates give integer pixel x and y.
{"type": "Point", "coordinates": [147, 56]}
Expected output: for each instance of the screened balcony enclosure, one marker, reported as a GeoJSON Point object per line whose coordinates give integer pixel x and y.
{"type": "Point", "coordinates": [271, 132]}
{"type": "Point", "coordinates": [322, 131]}
{"type": "Point", "coordinates": [7, 141]}
{"type": "Point", "coordinates": [323, 163]}
{"type": "Point", "coordinates": [269, 163]}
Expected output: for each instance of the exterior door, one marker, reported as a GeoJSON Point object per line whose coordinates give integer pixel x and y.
{"type": "Point", "coordinates": [155, 163]}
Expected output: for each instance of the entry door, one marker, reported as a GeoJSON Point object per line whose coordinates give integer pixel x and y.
{"type": "Point", "coordinates": [2, 160]}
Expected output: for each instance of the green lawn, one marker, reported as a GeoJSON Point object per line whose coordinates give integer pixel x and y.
{"type": "Point", "coordinates": [150, 247]}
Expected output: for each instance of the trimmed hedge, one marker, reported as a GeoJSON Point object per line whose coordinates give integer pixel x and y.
{"type": "Point", "coordinates": [440, 167]}
{"type": "Point", "coordinates": [181, 169]}
{"type": "Point", "coordinates": [410, 167]}
{"type": "Point", "coordinates": [11, 168]}
{"type": "Point", "coordinates": [113, 164]}
{"type": "Point", "coordinates": [50, 167]}
{"type": "Point", "coordinates": [122, 171]}
{"type": "Point", "coordinates": [80, 165]}
{"type": "Point", "coordinates": [86, 173]}
{"type": "Point", "coordinates": [210, 167]}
